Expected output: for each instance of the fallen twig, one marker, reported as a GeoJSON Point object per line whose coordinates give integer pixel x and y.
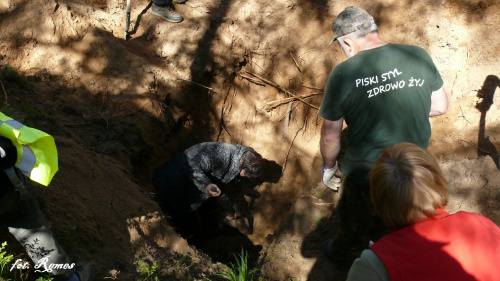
{"type": "Point", "coordinates": [288, 112]}
{"type": "Point", "coordinates": [222, 114]}
{"type": "Point", "coordinates": [287, 120]}
{"type": "Point", "coordinates": [285, 100]}
{"type": "Point", "coordinates": [290, 147]}
{"type": "Point", "coordinates": [296, 64]}
{"type": "Point", "coordinates": [222, 125]}
{"type": "Point", "coordinates": [279, 88]}
{"type": "Point", "coordinates": [274, 106]}
{"type": "Point", "coordinates": [252, 80]}
{"type": "Point", "coordinates": [265, 80]}
{"type": "Point", "coordinates": [196, 84]}
{"type": "Point", "coordinates": [313, 88]}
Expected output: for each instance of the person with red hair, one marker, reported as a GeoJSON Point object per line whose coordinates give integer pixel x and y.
{"type": "Point", "coordinates": [409, 193]}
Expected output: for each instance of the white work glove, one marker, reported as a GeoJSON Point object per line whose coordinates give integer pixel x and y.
{"type": "Point", "coordinates": [332, 177]}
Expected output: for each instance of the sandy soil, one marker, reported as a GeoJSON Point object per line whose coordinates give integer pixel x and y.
{"type": "Point", "coordinates": [120, 107]}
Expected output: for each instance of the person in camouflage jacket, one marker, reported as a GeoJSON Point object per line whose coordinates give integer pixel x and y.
{"type": "Point", "coordinates": [199, 173]}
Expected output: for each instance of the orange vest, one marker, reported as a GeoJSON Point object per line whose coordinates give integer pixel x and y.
{"type": "Point", "coordinates": [464, 246]}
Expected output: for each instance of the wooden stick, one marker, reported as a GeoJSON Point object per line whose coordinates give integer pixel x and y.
{"type": "Point", "coordinates": [294, 97]}
{"type": "Point", "coordinates": [313, 88]}
{"type": "Point", "coordinates": [287, 120]}
{"type": "Point", "coordinates": [222, 114]}
{"type": "Point", "coordinates": [223, 125]}
{"type": "Point", "coordinates": [263, 79]}
{"type": "Point", "coordinates": [285, 100]}
{"type": "Point", "coordinates": [251, 80]}
{"type": "Point", "coordinates": [279, 88]}
{"type": "Point", "coordinates": [289, 111]}
{"type": "Point", "coordinates": [296, 64]}
{"type": "Point", "coordinates": [196, 84]}
{"type": "Point", "coordinates": [290, 147]}
{"type": "Point", "coordinates": [274, 106]}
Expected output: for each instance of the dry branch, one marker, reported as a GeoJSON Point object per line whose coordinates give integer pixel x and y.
{"type": "Point", "coordinates": [252, 80]}
{"type": "Point", "coordinates": [286, 100]}
{"type": "Point", "coordinates": [196, 84]}
{"type": "Point", "coordinates": [287, 120]}
{"type": "Point", "coordinates": [288, 112]}
{"type": "Point", "coordinates": [313, 88]}
{"type": "Point", "coordinates": [222, 126]}
{"type": "Point", "coordinates": [290, 148]}
{"type": "Point", "coordinates": [293, 140]}
{"type": "Point", "coordinates": [274, 106]}
{"type": "Point", "coordinates": [296, 64]}
{"type": "Point", "coordinates": [264, 80]}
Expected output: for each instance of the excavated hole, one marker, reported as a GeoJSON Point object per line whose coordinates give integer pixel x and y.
{"type": "Point", "coordinates": [205, 230]}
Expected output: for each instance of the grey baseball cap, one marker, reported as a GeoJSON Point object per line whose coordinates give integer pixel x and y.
{"type": "Point", "coordinates": [350, 20]}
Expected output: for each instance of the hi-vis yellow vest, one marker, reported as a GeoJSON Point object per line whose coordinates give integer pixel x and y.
{"type": "Point", "coordinates": [36, 150]}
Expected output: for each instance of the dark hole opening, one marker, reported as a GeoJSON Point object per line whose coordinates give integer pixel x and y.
{"type": "Point", "coordinates": [206, 230]}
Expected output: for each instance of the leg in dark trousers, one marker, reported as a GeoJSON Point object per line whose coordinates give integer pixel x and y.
{"type": "Point", "coordinates": [26, 222]}
{"type": "Point", "coordinates": [187, 224]}
{"type": "Point", "coordinates": [358, 225]}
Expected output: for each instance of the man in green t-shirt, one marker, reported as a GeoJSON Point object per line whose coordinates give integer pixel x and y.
{"type": "Point", "coordinates": [385, 93]}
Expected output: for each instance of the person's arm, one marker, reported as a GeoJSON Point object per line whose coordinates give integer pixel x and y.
{"type": "Point", "coordinates": [199, 178]}
{"type": "Point", "coordinates": [330, 141]}
{"type": "Point", "coordinates": [439, 103]}
{"type": "Point", "coordinates": [369, 267]}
